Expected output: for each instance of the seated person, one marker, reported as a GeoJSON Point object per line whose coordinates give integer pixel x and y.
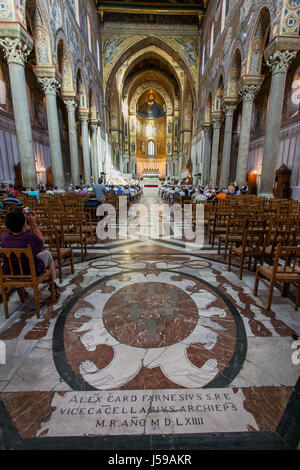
{"type": "Point", "coordinates": [11, 199]}
{"type": "Point", "coordinates": [186, 196]}
{"type": "Point", "coordinates": [19, 237]}
{"type": "Point", "coordinates": [13, 189]}
{"type": "Point", "coordinates": [34, 193]}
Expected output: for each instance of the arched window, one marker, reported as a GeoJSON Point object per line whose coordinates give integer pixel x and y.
{"type": "Point", "coordinates": [98, 56]}
{"type": "Point", "coordinates": [203, 60]}
{"type": "Point", "coordinates": [77, 11]}
{"type": "Point", "coordinates": [212, 38]}
{"type": "Point", "coordinates": [223, 15]}
{"type": "Point", "coordinates": [151, 148]}
{"type": "Point", "coordinates": [89, 33]}
{"type": "Point", "coordinates": [295, 95]}
{"type": "Point", "coordinates": [3, 103]}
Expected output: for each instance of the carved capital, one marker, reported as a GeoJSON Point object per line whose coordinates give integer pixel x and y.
{"type": "Point", "coordinates": [84, 119]}
{"type": "Point", "coordinates": [280, 61]}
{"type": "Point", "coordinates": [15, 50]}
{"type": "Point", "coordinates": [71, 105]}
{"type": "Point", "coordinates": [50, 85]}
{"type": "Point", "coordinates": [216, 122]}
{"type": "Point", "coordinates": [229, 109]}
{"type": "Point", "coordinates": [248, 92]}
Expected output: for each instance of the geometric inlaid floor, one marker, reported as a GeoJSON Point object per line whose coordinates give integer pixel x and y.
{"type": "Point", "coordinates": [150, 346]}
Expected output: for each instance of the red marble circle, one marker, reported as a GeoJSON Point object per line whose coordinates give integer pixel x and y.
{"type": "Point", "coordinates": [150, 315]}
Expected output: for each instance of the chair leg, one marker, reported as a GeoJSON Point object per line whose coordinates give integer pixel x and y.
{"type": "Point", "coordinates": [60, 270]}
{"type": "Point", "coordinates": [298, 297]}
{"type": "Point", "coordinates": [229, 261]}
{"type": "Point", "coordinates": [241, 267]}
{"type": "Point", "coordinates": [256, 283]}
{"type": "Point", "coordinates": [52, 290]}
{"type": "Point", "coordinates": [21, 293]}
{"type": "Point", "coordinates": [5, 302]}
{"type": "Point", "coordinates": [270, 296]}
{"type": "Point", "coordinates": [37, 301]}
{"type": "Point", "coordinates": [72, 263]}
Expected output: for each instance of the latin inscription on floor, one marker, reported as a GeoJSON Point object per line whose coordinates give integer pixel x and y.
{"type": "Point", "coordinates": [148, 412]}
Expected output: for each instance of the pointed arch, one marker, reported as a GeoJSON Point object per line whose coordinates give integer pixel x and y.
{"type": "Point", "coordinates": [259, 41]}
{"type": "Point", "coordinates": [234, 75]}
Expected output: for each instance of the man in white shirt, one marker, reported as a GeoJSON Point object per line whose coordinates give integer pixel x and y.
{"type": "Point", "coordinates": [200, 197]}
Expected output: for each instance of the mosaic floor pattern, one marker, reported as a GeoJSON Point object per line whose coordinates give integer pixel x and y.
{"type": "Point", "coordinates": [151, 342]}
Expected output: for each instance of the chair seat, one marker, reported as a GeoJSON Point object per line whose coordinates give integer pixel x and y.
{"type": "Point", "coordinates": [231, 238]}
{"type": "Point", "coordinates": [74, 238]}
{"type": "Point", "coordinates": [239, 250]}
{"type": "Point", "coordinates": [88, 229]}
{"type": "Point", "coordinates": [281, 273]}
{"type": "Point", "coordinates": [26, 282]}
{"type": "Point", "coordinates": [63, 252]}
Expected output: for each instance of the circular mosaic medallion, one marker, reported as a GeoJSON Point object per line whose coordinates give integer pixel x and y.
{"type": "Point", "coordinates": [150, 315]}
{"type": "Point", "coordinates": [149, 329]}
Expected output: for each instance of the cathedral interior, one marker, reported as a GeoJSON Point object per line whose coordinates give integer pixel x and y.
{"type": "Point", "coordinates": [154, 343]}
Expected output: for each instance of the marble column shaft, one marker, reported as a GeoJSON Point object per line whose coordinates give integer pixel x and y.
{"type": "Point", "coordinates": [248, 93]}
{"type": "Point", "coordinates": [215, 150]}
{"type": "Point", "coordinates": [51, 87]}
{"type": "Point", "coordinates": [96, 175]}
{"type": "Point", "coordinates": [85, 148]}
{"type": "Point", "coordinates": [16, 53]}
{"type": "Point", "coordinates": [71, 106]}
{"type": "Point", "coordinates": [229, 110]}
{"type": "Point", "coordinates": [207, 155]}
{"type": "Point", "coordinates": [278, 63]}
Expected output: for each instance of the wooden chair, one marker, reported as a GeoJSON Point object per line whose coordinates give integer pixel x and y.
{"type": "Point", "coordinates": [218, 226]}
{"type": "Point", "coordinates": [60, 254]}
{"type": "Point", "coordinates": [20, 264]}
{"type": "Point", "coordinates": [71, 233]}
{"type": "Point", "coordinates": [287, 274]}
{"type": "Point", "coordinates": [280, 237]}
{"type": "Point", "coordinates": [88, 227]}
{"type": "Point", "coordinates": [234, 234]}
{"type": "Point", "coordinates": [253, 246]}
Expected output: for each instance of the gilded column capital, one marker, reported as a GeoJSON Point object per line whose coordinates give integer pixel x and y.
{"type": "Point", "coordinates": [50, 85]}
{"type": "Point", "coordinates": [249, 92]}
{"type": "Point", "coordinates": [229, 109]}
{"type": "Point", "coordinates": [84, 119]}
{"type": "Point", "coordinates": [15, 50]}
{"type": "Point", "coordinates": [280, 61]}
{"type": "Point", "coordinates": [71, 105]}
{"type": "Point", "coordinates": [216, 121]}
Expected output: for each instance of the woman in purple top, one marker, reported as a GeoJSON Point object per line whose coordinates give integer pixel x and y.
{"type": "Point", "coordinates": [19, 237]}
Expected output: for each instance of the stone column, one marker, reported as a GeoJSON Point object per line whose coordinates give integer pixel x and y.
{"type": "Point", "coordinates": [229, 110]}
{"type": "Point", "coordinates": [207, 153]}
{"type": "Point", "coordinates": [278, 63]}
{"type": "Point", "coordinates": [248, 93]}
{"type": "Point", "coordinates": [179, 168]}
{"type": "Point", "coordinates": [94, 152]}
{"type": "Point", "coordinates": [84, 120]}
{"type": "Point", "coordinates": [71, 106]}
{"type": "Point", "coordinates": [50, 87]}
{"type": "Point", "coordinates": [16, 53]}
{"type": "Point", "coordinates": [216, 122]}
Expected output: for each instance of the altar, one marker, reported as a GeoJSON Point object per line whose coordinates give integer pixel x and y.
{"type": "Point", "coordinates": [151, 179]}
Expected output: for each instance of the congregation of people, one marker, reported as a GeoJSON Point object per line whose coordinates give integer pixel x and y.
{"type": "Point", "coordinates": [196, 193]}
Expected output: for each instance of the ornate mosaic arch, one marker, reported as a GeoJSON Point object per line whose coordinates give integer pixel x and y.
{"type": "Point", "coordinates": [151, 84]}
{"type": "Point", "coordinates": [290, 18]}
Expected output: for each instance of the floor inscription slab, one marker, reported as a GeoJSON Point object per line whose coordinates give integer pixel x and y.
{"type": "Point", "coordinates": [141, 412]}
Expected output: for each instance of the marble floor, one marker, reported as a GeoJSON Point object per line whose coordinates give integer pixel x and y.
{"type": "Point", "coordinates": [152, 344]}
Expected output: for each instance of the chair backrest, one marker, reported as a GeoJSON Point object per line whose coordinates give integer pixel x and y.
{"type": "Point", "coordinates": [18, 263]}
{"type": "Point", "coordinates": [291, 257]}
{"type": "Point", "coordinates": [254, 240]}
